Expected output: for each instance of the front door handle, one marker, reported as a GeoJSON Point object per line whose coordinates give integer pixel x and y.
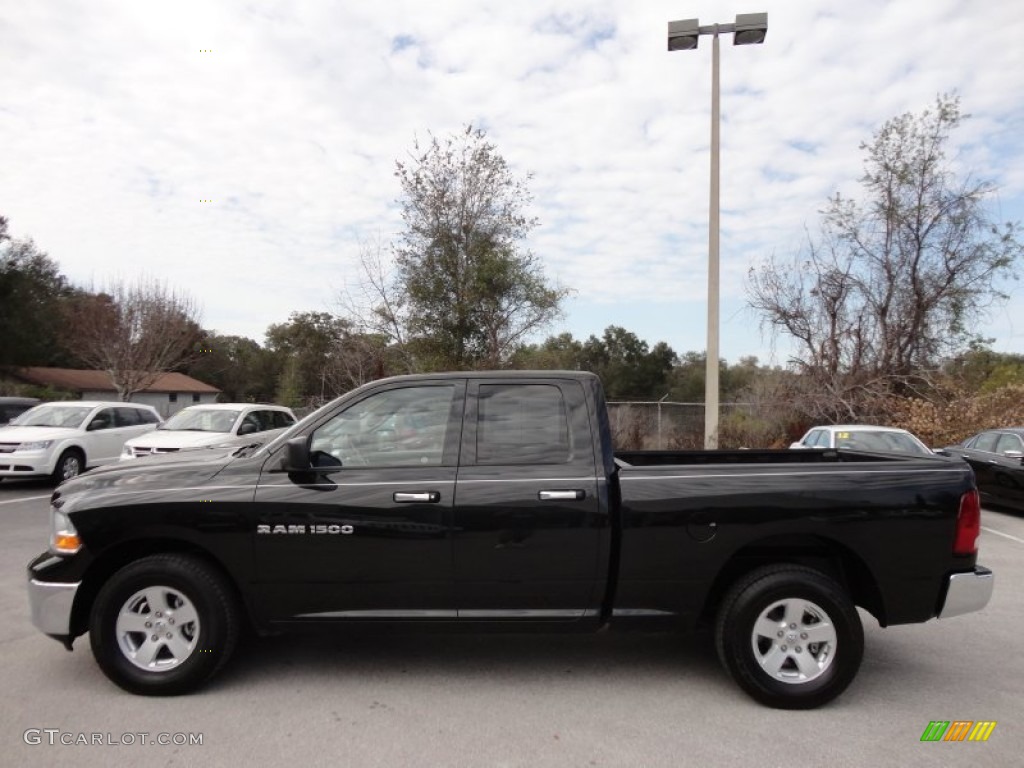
{"type": "Point", "coordinates": [561, 495]}
{"type": "Point", "coordinates": [417, 497]}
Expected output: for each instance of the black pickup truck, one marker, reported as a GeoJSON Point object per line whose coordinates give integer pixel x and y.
{"type": "Point", "coordinates": [496, 499]}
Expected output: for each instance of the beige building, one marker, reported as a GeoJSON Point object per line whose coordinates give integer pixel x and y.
{"type": "Point", "coordinates": [168, 394]}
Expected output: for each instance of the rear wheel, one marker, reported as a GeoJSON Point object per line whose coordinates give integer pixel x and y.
{"type": "Point", "coordinates": [789, 636]}
{"type": "Point", "coordinates": [163, 625]}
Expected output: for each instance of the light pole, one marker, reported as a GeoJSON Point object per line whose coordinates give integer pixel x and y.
{"type": "Point", "coordinates": [749, 29]}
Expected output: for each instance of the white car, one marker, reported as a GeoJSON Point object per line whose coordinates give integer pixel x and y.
{"type": "Point", "coordinates": [864, 437]}
{"type": "Point", "coordinates": [218, 424]}
{"type": "Point", "coordinates": [64, 439]}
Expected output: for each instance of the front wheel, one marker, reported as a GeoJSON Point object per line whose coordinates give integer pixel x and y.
{"type": "Point", "coordinates": [69, 465]}
{"type": "Point", "coordinates": [163, 625]}
{"type": "Point", "coordinates": [789, 636]}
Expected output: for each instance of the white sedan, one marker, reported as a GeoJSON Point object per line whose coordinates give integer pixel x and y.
{"type": "Point", "coordinates": [864, 437]}
{"type": "Point", "coordinates": [217, 424]}
{"type": "Point", "coordinates": [64, 439]}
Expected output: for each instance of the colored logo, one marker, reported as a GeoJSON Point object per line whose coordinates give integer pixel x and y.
{"type": "Point", "coordinates": [958, 730]}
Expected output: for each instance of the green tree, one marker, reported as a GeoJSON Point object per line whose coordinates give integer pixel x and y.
{"type": "Point", "coordinates": [467, 291]}
{"type": "Point", "coordinates": [982, 370]}
{"type": "Point", "coordinates": [239, 367]}
{"type": "Point", "coordinates": [290, 389]}
{"type": "Point", "coordinates": [898, 279]}
{"type": "Point", "coordinates": [687, 380]}
{"type": "Point", "coordinates": [629, 369]}
{"type": "Point", "coordinates": [32, 291]}
{"type": "Point", "coordinates": [556, 353]}
{"type": "Point", "coordinates": [303, 348]}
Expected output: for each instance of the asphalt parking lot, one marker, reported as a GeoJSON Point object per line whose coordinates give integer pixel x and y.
{"type": "Point", "coordinates": [444, 700]}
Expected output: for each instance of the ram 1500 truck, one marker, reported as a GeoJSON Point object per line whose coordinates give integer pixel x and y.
{"type": "Point", "coordinates": [496, 499]}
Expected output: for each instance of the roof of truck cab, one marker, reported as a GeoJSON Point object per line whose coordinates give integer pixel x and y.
{"type": "Point", "coordinates": [516, 374]}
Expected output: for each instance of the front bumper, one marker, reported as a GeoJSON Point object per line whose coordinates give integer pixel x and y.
{"type": "Point", "coordinates": [967, 592]}
{"type": "Point", "coordinates": [51, 606]}
{"type": "Point", "coordinates": [24, 465]}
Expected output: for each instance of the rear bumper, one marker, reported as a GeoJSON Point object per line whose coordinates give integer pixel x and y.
{"type": "Point", "coordinates": [967, 592]}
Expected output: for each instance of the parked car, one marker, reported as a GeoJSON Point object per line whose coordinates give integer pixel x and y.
{"type": "Point", "coordinates": [497, 500]}
{"type": "Point", "coordinates": [11, 407]}
{"type": "Point", "coordinates": [997, 458]}
{"type": "Point", "coordinates": [864, 437]}
{"type": "Point", "coordinates": [219, 424]}
{"type": "Point", "coordinates": [63, 439]}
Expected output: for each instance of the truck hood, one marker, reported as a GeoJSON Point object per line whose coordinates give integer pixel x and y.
{"type": "Point", "coordinates": [18, 434]}
{"type": "Point", "coordinates": [173, 470]}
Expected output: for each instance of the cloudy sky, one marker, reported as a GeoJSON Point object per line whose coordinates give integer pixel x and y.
{"type": "Point", "coordinates": [118, 120]}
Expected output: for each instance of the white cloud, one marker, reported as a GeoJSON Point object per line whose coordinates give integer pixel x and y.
{"type": "Point", "coordinates": [115, 125]}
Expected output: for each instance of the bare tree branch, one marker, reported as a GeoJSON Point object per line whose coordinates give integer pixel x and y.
{"type": "Point", "coordinates": [894, 282]}
{"type": "Point", "coordinates": [135, 332]}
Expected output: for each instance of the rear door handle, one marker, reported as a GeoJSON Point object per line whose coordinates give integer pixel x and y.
{"type": "Point", "coordinates": [561, 495]}
{"type": "Point", "coordinates": [417, 497]}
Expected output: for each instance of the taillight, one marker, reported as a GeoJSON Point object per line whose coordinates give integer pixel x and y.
{"type": "Point", "coordinates": [968, 525]}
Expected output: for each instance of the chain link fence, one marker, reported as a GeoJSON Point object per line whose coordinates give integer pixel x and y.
{"type": "Point", "coordinates": [653, 425]}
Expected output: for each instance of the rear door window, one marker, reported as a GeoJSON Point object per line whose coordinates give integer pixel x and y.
{"type": "Point", "coordinates": [522, 424]}
{"type": "Point", "coordinates": [1008, 443]}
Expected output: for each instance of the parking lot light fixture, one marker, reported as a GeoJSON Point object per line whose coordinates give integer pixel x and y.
{"type": "Point", "coordinates": [683, 35]}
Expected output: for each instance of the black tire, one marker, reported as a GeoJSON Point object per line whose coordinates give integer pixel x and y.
{"type": "Point", "coordinates": [791, 671]}
{"type": "Point", "coordinates": [70, 464]}
{"type": "Point", "coordinates": [194, 651]}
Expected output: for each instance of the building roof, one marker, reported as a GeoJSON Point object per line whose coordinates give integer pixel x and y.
{"type": "Point", "coordinates": [78, 380]}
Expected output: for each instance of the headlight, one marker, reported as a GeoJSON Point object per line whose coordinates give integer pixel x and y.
{"type": "Point", "coordinates": [38, 445]}
{"type": "Point", "coordinates": [126, 453]}
{"type": "Point", "coordinates": [63, 536]}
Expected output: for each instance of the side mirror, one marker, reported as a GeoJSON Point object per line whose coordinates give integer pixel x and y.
{"type": "Point", "coordinates": [247, 428]}
{"type": "Point", "coordinates": [795, 446]}
{"type": "Point", "coordinates": [297, 454]}
{"type": "Point", "coordinates": [941, 452]}
{"type": "Point", "coordinates": [97, 423]}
